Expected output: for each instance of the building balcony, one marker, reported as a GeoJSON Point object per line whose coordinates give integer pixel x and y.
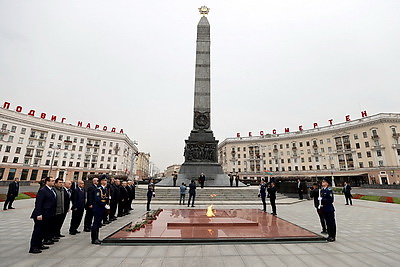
{"type": "Point", "coordinates": [4, 131]}
{"type": "Point", "coordinates": [377, 147]}
{"type": "Point", "coordinates": [396, 135]}
{"type": "Point", "coordinates": [38, 156]}
{"type": "Point", "coordinates": [396, 146]}
{"type": "Point", "coordinates": [29, 155]}
{"type": "Point", "coordinates": [96, 145]}
{"type": "Point", "coordinates": [30, 145]}
{"type": "Point", "coordinates": [68, 141]}
{"type": "Point", "coordinates": [89, 144]}
{"type": "Point", "coordinates": [375, 136]}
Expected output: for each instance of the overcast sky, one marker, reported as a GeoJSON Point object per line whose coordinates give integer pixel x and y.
{"type": "Point", "coordinates": [130, 64]}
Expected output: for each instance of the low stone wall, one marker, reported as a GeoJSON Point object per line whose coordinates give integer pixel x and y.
{"type": "Point", "coordinates": [381, 186]}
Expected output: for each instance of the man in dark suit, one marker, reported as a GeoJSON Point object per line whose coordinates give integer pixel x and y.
{"type": "Point", "coordinates": [347, 193]}
{"type": "Point", "coordinates": [132, 193]}
{"type": "Point", "coordinates": [300, 188]}
{"type": "Point", "coordinates": [192, 193]}
{"type": "Point", "coordinates": [272, 197]}
{"type": "Point", "coordinates": [123, 200]}
{"type": "Point", "coordinates": [115, 196]}
{"type": "Point", "coordinates": [263, 194]}
{"type": "Point", "coordinates": [45, 208]}
{"type": "Point", "coordinates": [78, 207]}
{"type": "Point", "coordinates": [90, 195]}
{"type": "Point", "coordinates": [202, 179]}
{"type": "Point", "coordinates": [13, 189]}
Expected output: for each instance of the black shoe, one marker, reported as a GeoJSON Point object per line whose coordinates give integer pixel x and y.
{"type": "Point", "coordinates": [6, 209]}
{"type": "Point", "coordinates": [48, 242]}
{"type": "Point", "coordinates": [35, 250]}
{"type": "Point", "coordinates": [130, 209]}
{"type": "Point", "coordinates": [106, 222]}
{"type": "Point", "coordinates": [331, 239]}
{"type": "Point", "coordinates": [96, 242]}
{"type": "Point", "coordinates": [324, 232]}
{"type": "Point", "coordinates": [77, 232]}
{"type": "Point", "coordinates": [72, 233]}
{"type": "Point", "coordinates": [60, 235]}
{"type": "Point", "coordinates": [119, 215]}
{"type": "Point", "coordinates": [55, 239]}
{"type": "Point", "coordinates": [274, 214]}
{"type": "Point", "coordinates": [44, 247]}
{"type": "Point", "coordinates": [193, 206]}
{"type": "Point", "coordinates": [346, 204]}
{"type": "Point", "coordinates": [11, 208]}
{"type": "Point", "coordinates": [86, 230]}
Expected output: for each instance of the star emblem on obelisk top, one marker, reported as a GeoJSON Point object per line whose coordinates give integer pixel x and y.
{"type": "Point", "coordinates": [204, 10]}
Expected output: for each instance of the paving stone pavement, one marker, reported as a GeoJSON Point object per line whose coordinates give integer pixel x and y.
{"type": "Point", "coordinates": [368, 235]}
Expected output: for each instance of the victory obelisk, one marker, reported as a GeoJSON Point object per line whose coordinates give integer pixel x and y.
{"type": "Point", "coordinates": [201, 149]}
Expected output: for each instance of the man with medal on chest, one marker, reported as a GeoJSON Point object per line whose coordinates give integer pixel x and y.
{"type": "Point", "coordinates": [100, 206]}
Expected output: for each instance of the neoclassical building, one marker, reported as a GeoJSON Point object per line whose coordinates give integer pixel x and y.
{"type": "Point", "coordinates": [365, 150]}
{"type": "Point", "coordinates": [32, 148]}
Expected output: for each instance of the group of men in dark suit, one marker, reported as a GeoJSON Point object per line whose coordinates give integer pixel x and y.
{"type": "Point", "coordinates": [51, 207]}
{"type": "Point", "coordinates": [53, 202]}
{"type": "Point", "coordinates": [12, 193]}
{"type": "Point", "coordinates": [268, 191]}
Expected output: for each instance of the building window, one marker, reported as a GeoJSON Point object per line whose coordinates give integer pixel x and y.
{"type": "Point", "coordinates": [75, 139]}
{"type": "Point", "coordinates": [15, 160]}
{"type": "Point", "coordinates": [398, 152]}
{"type": "Point", "coordinates": [82, 140]}
{"type": "Point", "coordinates": [322, 150]}
{"type": "Point", "coordinates": [361, 164]}
{"type": "Point", "coordinates": [13, 129]}
{"type": "Point", "coordinates": [302, 160]}
{"type": "Point", "coordinates": [109, 152]}
{"type": "Point", "coordinates": [18, 150]}
{"type": "Point", "coordinates": [309, 159]}
{"type": "Point", "coordinates": [8, 149]}
{"type": "Point", "coordinates": [55, 163]}
{"type": "Point", "coordinates": [73, 147]}
{"type": "Point", "coordinates": [380, 163]}
{"type": "Point", "coordinates": [379, 153]}
{"type": "Point", "coordinates": [47, 162]}
{"type": "Point", "coordinates": [244, 148]}
{"type": "Point", "coordinates": [366, 144]}
{"type": "Point", "coordinates": [368, 154]}
{"type": "Point", "coordinates": [328, 140]}
{"type": "Point", "coordinates": [355, 136]}
{"type": "Point", "coordinates": [287, 145]}
{"type": "Point", "coordinates": [308, 143]}
{"type": "Point", "coordinates": [63, 163]}
{"type": "Point", "coordinates": [359, 155]}
{"type": "Point", "coordinates": [301, 144]}
{"type": "Point", "coordinates": [23, 130]}
{"type": "Point", "coordinates": [357, 145]}
{"type": "Point", "coordinates": [4, 126]}
{"type": "Point", "coordinates": [60, 137]}
{"type": "Point", "coordinates": [239, 162]}
{"type": "Point", "coordinates": [70, 164]}
{"type": "Point", "coordinates": [114, 167]}
{"type": "Point", "coordinates": [80, 148]}
{"type": "Point", "coordinates": [11, 139]}
{"type": "Point", "coordinates": [303, 168]}
{"type": "Point", "coordinates": [365, 135]}
{"type": "Point", "coordinates": [53, 136]}
{"type": "Point", "coordinates": [78, 164]}
{"type": "Point", "coordinates": [281, 146]}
